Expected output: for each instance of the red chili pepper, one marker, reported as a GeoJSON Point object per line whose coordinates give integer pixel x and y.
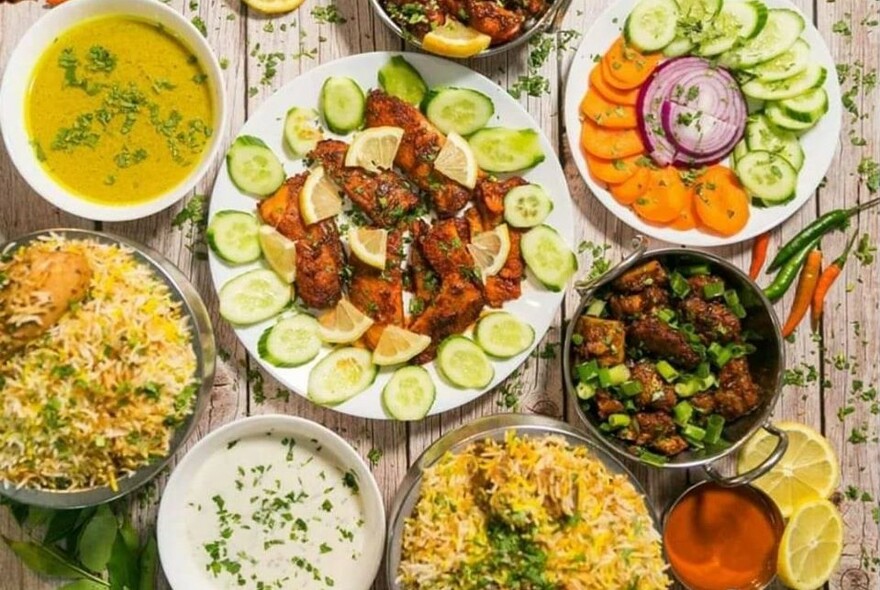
{"type": "Point", "coordinates": [829, 275]}
{"type": "Point", "coordinates": [804, 294]}
{"type": "Point", "coordinates": [759, 254]}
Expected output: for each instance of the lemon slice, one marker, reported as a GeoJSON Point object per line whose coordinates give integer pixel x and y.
{"type": "Point", "coordinates": [490, 249]}
{"type": "Point", "coordinates": [397, 345]}
{"type": "Point", "coordinates": [808, 471]}
{"type": "Point", "coordinates": [319, 198]}
{"type": "Point", "coordinates": [456, 160]}
{"type": "Point", "coordinates": [369, 245]}
{"type": "Point", "coordinates": [343, 324]}
{"type": "Point", "coordinates": [274, 6]}
{"type": "Point", "coordinates": [454, 39]}
{"type": "Point", "coordinates": [280, 252]}
{"type": "Point", "coordinates": [374, 148]}
{"type": "Point", "coordinates": [811, 546]}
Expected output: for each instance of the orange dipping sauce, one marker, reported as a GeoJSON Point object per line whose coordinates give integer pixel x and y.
{"type": "Point", "coordinates": [721, 538]}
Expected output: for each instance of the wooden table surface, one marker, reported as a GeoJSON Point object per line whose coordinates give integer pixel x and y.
{"type": "Point", "coordinates": [847, 351]}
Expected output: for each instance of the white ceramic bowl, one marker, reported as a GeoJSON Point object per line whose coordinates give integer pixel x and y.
{"type": "Point", "coordinates": [17, 80]}
{"type": "Point", "coordinates": [184, 571]}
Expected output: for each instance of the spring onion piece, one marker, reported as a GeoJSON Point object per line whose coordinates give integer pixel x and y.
{"type": "Point", "coordinates": [611, 376]}
{"type": "Point", "coordinates": [694, 432]}
{"type": "Point", "coordinates": [585, 390]}
{"type": "Point", "coordinates": [630, 388]}
{"type": "Point", "coordinates": [679, 285]}
{"type": "Point", "coordinates": [665, 315]}
{"type": "Point", "coordinates": [696, 270]}
{"type": "Point", "coordinates": [720, 355]}
{"type": "Point", "coordinates": [682, 413]}
{"type": "Point", "coordinates": [714, 426]}
{"type": "Point", "coordinates": [731, 298]}
{"type": "Point", "coordinates": [616, 421]}
{"type": "Point", "coordinates": [588, 371]}
{"type": "Point", "coordinates": [713, 290]}
{"type": "Point", "coordinates": [652, 458]}
{"type": "Point", "coordinates": [596, 308]}
{"type": "Point", "coordinates": [666, 371]}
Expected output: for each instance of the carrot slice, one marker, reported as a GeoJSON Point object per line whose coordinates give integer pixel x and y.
{"type": "Point", "coordinates": [610, 144]}
{"type": "Point", "coordinates": [687, 219]}
{"type": "Point", "coordinates": [722, 204]}
{"type": "Point", "coordinates": [625, 97]}
{"type": "Point", "coordinates": [665, 198]}
{"type": "Point", "coordinates": [626, 67]}
{"type": "Point", "coordinates": [612, 171]}
{"type": "Point", "coordinates": [629, 190]}
{"type": "Point", "coordinates": [607, 114]}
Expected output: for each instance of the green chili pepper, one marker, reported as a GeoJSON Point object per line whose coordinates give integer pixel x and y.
{"type": "Point", "coordinates": [783, 280]}
{"type": "Point", "coordinates": [836, 219]}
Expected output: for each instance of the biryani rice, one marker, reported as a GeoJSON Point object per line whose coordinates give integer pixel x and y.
{"type": "Point", "coordinates": [99, 395]}
{"type": "Point", "coordinates": [574, 524]}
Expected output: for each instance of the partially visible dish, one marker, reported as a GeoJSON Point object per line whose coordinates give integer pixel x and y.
{"type": "Point", "coordinates": [528, 511]}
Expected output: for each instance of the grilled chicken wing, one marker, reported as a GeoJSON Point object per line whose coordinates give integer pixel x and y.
{"type": "Point", "coordinates": [489, 17]}
{"type": "Point", "coordinates": [379, 293]}
{"type": "Point", "coordinates": [385, 197]}
{"type": "Point", "coordinates": [319, 256]}
{"type": "Point", "coordinates": [420, 145]}
{"type": "Point", "coordinates": [460, 299]}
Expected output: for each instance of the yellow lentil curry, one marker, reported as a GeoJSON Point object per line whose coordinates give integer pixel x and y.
{"type": "Point", "coordinates": [119, 110]}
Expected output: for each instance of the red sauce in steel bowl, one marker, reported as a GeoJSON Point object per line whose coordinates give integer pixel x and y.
{"type": "Point", "coordinates": [721, 538]}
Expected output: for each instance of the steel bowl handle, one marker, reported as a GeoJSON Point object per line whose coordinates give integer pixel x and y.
{"type": "Point", "coordinates": [753, 474]}
{"type": "Point", "coordinates": [639, 245]}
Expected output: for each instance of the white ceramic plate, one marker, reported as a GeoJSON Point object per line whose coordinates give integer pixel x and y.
{"type": "Point", "coordinates": [178, 551]}
{"type": "Point", "coordinates": [819, 143]}
{"type": "Point", "coordinates": [537, 306]}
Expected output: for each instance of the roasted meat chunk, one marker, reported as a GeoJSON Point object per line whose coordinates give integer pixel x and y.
{"type": "Point", "coordinates": [669, 445]}
{"type": "Point", "coordinates": [648, 427]}
{"type": "Point", "coordinates": [638, 304]}
{"type": "Point", "coordinates": [607, 405]}
{"type": "Point", "coordinates": [737, 393]}
{"type": "Point", "coordinates": [712, 320]}
{"type": "Point", "coordinates": [641, 277]}
{"type": "Point", "coordinates": [603, 340]}
{"type": "Point", "coordinates": [703, 402]}
{"type": "Point", "coordinates": [698, 284]}
{"type": "Point", "coordinates": [662, 340]}
{"type": "Point", "coordinates": [424, 282]}
{"type": "Point", "coordinates": [656, 394]}
{"type": "Point", "coordinates": [379, 293]}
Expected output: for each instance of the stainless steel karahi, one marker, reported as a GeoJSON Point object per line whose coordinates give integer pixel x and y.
{"type": "Point", "coordinates": [767, 364]}
{"type": "Point", "coordinates": [489, 427]}
{"type": "Point", "coordinates": [202, 342]}
{"type": "Point", "coordinates": [550, 18]}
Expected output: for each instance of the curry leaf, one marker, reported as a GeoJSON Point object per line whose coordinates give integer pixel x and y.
{"type": "Point", "coordinates": [129, 535]}
{"type": "Point", "coordinates": [62, 524]}
{"type": "Point", "coordinates": [123, 567]}
{"type": "Point", "coordinates": [96, 541]}
{"type": "Point", "coordinates": [149, 561]}
{"type": "Point", "coordinates": [84, 585]}
{"type": "Point", "coordinates": [47, 561]}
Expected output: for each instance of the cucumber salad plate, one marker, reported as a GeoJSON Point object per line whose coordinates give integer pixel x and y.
{"type": "Point", "coordinates": [391, 235]}
{"type": "Point", "coordinates": [703, 122]}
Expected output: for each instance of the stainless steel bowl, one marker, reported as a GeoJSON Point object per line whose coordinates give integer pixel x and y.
{"type": "Point", "coordinates": [767, 364]}
{"type": "Point", "coordinates": [552, 16]}
{"type": "Point", "coordinates": [489, 427]}
{"type": "Point", "coordinates": [203, 345]}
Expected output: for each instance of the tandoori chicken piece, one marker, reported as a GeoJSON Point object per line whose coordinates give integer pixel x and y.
{"type": "Point", "coordinates": [424, 282]}
{"type": "Point", "coordinates": [460, 300]}
{"type": "Point", "coordinates": [319, 255]}
{"type": "Point", "coordinates": [490, 17]}
{"type": "Point", "coordinates": [418, 149]}
{"type": "Point", "coordinates": [489, 197]}
{"type": "Point", "coordinates": [379, 293]}
{"type": "Point", "coordinates": [385, 197]}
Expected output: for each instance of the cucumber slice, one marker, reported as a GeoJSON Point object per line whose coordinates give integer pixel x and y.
{"type": "Point", "coordinates": [343, 104]}
{"type": "Point", "coordinates": [789, 63]}
{"type": "Point", "coordinates": [461, 110]}
{"type": "Point", "coordinates": [679, 46]}
{"type": "Point", "coordinates": [735, 21]}
{"type": "Point", "coordinates": [291, 342]}
{"type": "Point", "coordinates": [548, 257]}
{"type": "Point", "coordinates": [777, 117]}
{"type": "Point", "coordinates": [767, 176]}
{"type": "Point", "coordinates": [651, 25]}
{"type": "Point", "coordinates": [302, 130]}
{"type": "Point", "coordinates": [499, 149]}
{"type": "Point", "coordinates": [253, 167]}
{"type": "Point", "coordinates": [409, 394]}
{"type": "Point", "coordinates": [399, 78]}
{"type": "Point", "coordinates": [254, 297]}
{"type": "Point", "coordinates": [700, 11]}
{"type": "Point", "coordinates": [740, 150]}
{"type": "Point", "coordinates": [782, 29]}
{"type": "Point", "coordinates": [503, 335]}
{"type": "Point", "coordinates": [464, 363]}
{"type": "Point", "coordinates": [761, 135]}
{"type": "Point", "coordinates": [341, 375]}
{"type": "Point", "coordinates": [808, 107]}
{"type": "Point", "coordinates": [527, 205]}
{"type": "Point", "coordinates": [813, 77]}
{"type": "Point", "coordinates": [233, 236]}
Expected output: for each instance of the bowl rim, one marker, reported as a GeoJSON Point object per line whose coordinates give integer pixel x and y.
{"type": "Point", "coordinates": [479, 429]}
{"type": "Point", "coordinates": [764, 413]}
{"type": "Point", "coordinates": [203, 344]}
{"type": "Point", "coordinates": [15, 86]}
{"type": "Point", "coordinates": [190, 464]}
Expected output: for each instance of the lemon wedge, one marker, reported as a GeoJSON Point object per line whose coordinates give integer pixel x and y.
{"type": "Point", "coordinates": [456, 160]}
{"type": "Point", "coordinates": [319, 198]}
{"type": "Point", "coordinates": [811, 546]}
{"type": "Point", "coordinates": [369, 245]}
{"type": "Point", "coordinates": [343, 324]}
{"type": "Point", "coordinates": [490, 249]}
{"type": "Point", "coordinates": [280, 252]}
{"type": "Point", "coordinates": [454, 39]}
{"type": "Point", "coordinates": [808, 471]}
{"type": "Point", "coordinates": [397, 345]}
{"type": "Point", "coordinates": [374, 148]}
{"type": "Point", "coordinates": [274, 6]}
